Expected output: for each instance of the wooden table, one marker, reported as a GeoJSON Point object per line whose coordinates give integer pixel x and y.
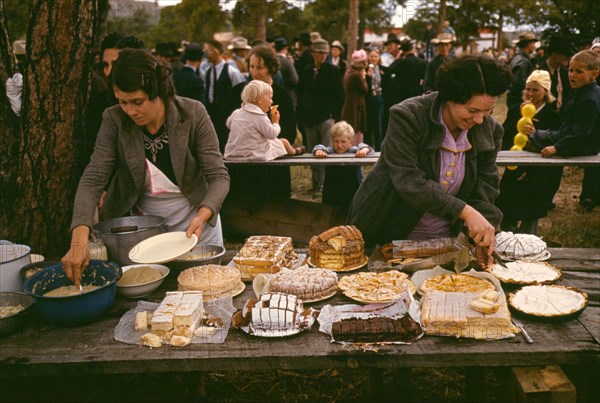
{"type": "Point", "coordinates": [522, 158]}
{"type": "Point", "coordinates": [44, 349]}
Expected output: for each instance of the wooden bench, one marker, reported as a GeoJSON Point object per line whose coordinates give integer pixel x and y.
{"type": "Point", "coordinates": [300, 219]}
{"type": "Point", "coordinates": [521, 158]}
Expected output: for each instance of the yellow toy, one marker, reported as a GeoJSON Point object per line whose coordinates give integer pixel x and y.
{"type": "Point", "coordinates": [527, 112]}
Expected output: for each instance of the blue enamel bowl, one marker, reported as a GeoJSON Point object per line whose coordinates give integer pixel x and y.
{"type": "Point", "coordinates": [80, 308]}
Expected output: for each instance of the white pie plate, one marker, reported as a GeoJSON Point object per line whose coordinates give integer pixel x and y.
{"type": "Point", "coordinates": [163, 247]}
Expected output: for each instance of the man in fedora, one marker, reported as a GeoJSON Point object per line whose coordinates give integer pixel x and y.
{"type": "Point", "coordinates": [443, 44]}
{"type": "Point", "coordinates": [187, 80]}
{"type": "Point", "coordinates": [559, 51]}
{"type": "Point", "coordinates": [168, 53]}
{"type": "Point", "coordinates": [302, 44]}
{"type": "Point", "coordinates": [392, 50]}
{"type": "Point", "coordinates": [239, 52]}
{"type": "Point", "coordinates": [320, 100]}
{"type": "Point", "coordinates": [407, 74]}
{"type": "Point", "coordinates": [521, 66]}
{"type": "Point", "coordinates": [286, 67]}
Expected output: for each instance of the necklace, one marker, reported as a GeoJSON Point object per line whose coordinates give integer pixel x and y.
{"type": "Point", "coordinates": [154, 144]}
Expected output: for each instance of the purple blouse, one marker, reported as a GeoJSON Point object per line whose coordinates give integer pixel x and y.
{"type": "Point", "coordinates": [452, 173]}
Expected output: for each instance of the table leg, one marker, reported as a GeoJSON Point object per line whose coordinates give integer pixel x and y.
{"type": "Point", "coordinates": [475, 384]}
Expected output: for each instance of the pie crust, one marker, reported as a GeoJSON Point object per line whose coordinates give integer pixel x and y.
{"type": "Point", "coordinates": [456, 283]}
{"type": "Point", "coordinates": [370, 287]}
{"type": "Point", "coordinates": [526, 273]}
{"type": "Point", "coordinates": [548, 301]}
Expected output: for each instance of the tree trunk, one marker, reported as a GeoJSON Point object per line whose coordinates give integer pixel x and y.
{"type": "Point", "coordinates": [9, 125]}
{"type": "Point", "coordinates": [262, 9]}
{"type": "Point", "coordinates": [352, 27]}
{"type": "Point", "coordinates": [500, 34]}
{"type": "Point", "coordinates": [37, 211]}
{"type": "Point", "coordinates": [441, 16]}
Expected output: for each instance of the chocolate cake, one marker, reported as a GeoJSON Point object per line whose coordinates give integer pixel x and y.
{"type": "Point", "coordinates": [376, 329]}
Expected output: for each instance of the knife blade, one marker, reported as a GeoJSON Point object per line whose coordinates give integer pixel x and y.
{"type": "Point", "coordinates": [498, 259]}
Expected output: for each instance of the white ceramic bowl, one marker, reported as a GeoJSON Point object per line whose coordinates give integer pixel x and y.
{"type": "Point", "coordinates": [141, 290]}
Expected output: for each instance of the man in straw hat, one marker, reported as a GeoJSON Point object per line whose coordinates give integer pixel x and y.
{"type": "Point", "coordinates": [239, 48]}
{"type": "Point", "coordinates": [320, 100]}
{"type": "Point", "coordinates": [337, 56]}
{"type": "Point", "coordinates": [521, 66]}
{"type": "Point", "coordinates": [443, 44]}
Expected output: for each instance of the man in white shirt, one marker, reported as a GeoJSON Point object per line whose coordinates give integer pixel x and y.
{"type": "Point", "coordinates": [218, 87]}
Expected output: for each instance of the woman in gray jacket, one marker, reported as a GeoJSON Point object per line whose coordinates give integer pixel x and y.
{"type": "Point", "coordinates": [158, 154]}
{"type": "Point", "coordinates": [437, 169]}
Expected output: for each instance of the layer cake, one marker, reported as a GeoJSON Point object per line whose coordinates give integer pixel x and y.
{"type": "Point", "coordinates": [264, 254]}
{"type": "Point", "coordinates": [338, 248]}
{"type": "Point", "coordinates": [177, 315]}
{"type": "Point", "coordinates": [451, 314]}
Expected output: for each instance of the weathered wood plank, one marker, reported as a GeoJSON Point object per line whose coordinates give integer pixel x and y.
{"type": "Point", "coordinates": [592, 254]}
{"type": "Point", "coordinates": [522, 158]}
{"type": "Point", "coordinates": [590, 319]}
{"type": "Point", "coordinates": [44, 349]}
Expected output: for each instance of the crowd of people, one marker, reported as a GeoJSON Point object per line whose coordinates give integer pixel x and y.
{"type": "Point", "coordinates": [426, 109]}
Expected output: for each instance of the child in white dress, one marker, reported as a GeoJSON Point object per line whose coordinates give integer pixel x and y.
{"type": "Point", "coordinates": [252, 136]}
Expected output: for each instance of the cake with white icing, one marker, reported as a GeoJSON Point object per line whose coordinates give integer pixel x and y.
{"type": "Point", "coordinates": [526, 273]}
{"type": "Point", "coordinates": [273, 312]}
{"type": "Point", "coordinates": [519, 246]}
{"type": "Point", "coordinates": [452, 314]}
{"type": "Point", "coordinates": [178, 314]}
{"type": "Point", "coordinates": [548, 300]}
{"type": "Point", "coordinates": [307, 283]}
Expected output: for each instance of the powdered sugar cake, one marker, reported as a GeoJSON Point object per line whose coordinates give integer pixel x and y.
{"type": "Point", "coordinates": [307, 283]}
{"type": "Point", "coordinates": [264, 254]}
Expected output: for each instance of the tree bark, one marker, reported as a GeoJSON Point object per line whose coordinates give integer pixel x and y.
{"type": "Point", "coordinates": [441, 16]}
{"type": "Point", "coordinates": [9, 128]}
{"type": "Point", "coordinates": [55, 90]}
{"type": "Point", "coordinates": [352, 28]}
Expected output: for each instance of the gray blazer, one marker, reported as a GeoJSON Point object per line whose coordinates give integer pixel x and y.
{"type": "Point", "coordinates": [119, 150]}
{"type": "Point", "coordinates": [404, 182]}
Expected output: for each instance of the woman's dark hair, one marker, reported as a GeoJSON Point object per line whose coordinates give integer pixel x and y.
{"type": "Point", "coordinates": [267, 54]}
{"type": "Point", "coordinates": [459, 79]}
{"type": "Point", "coordinates": [137, 69]}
